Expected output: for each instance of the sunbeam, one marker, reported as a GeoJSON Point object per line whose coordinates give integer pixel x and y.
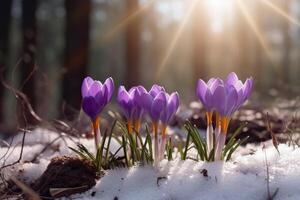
{"type": "Point", "coordinates": [256, 31]}
{"type": "Point", "coordinates": [174, 41]}
{"type": "Point", "coordinates": [281, 12]}
{"type": "Point", "coordinates": [126, 20]}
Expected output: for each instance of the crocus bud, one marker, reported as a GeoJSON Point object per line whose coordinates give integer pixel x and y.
{"type": "Point", "coordinates": [95, 96]}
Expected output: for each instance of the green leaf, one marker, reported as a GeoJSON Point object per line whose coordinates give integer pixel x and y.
{"type": "Point", "coordinates": [84, 150]}
{"type": "Point", "coordinates": [109, 140]}
{"type": "Point", "coordinates": [235, 147]}
{"type": "Point", "coordinates": [149, 141]}
{"type": "Point", "coordinates": [125, 150]}
{"type": "Point", "coordinates": [186, 146]}
{"type": "Point", "coordinates": [169, 149]}
{"type": "Point", "coordinates": [82, 155]}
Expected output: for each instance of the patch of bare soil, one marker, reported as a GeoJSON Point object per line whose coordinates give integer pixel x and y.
{"type": "Point", "coordinates": [65, 176]}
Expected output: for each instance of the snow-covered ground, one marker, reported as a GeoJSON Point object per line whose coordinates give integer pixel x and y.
{"type": "Point", "coordinates": [244, 177]}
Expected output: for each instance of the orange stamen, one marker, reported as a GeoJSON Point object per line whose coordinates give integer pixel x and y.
{"type": "Point", "coordinates": [224, 124]}
{"type": "Point", "coordinates": [164, 131]}
{"type": "Point", "coordinates": [155, 128]}
{"type": "Point", "coordinates": [137, 125]}
{"type": "Point", "coordinates": [96, 125]}
{"type": "Point", "coordinates": [129, 126]}
{"type": "Point", "coordinates": [218, 120]}
{"type": "Point", "coordinates": [209, 118]}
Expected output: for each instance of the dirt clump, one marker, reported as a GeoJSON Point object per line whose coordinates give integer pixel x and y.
{"type": "Point", "coordinates": [65, 176]}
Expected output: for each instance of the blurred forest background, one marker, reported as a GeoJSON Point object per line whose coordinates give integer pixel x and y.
{"type": "Point", "coordinates": [171, 42]}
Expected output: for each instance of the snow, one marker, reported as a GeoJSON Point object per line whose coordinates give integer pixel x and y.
{"type": "Point", "coordinates": [244, 177]}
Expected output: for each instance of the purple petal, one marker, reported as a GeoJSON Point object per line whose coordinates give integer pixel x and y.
{"type": "Point", "coordinates": [141, 89]}
{"type": "Point", "coordinates": [248, 88]}
{"type": "Point", "coordinates": [90, 107]}
{"type": "Point", "coordinates": [86, 84]}
{"type": "Point", "coordinates": [158, 105]}
{"type": "Point", "coordinates": [238, 85]}
{"type": "Point", "coordinates": [231, 101]}
{"type": "Point", "coordinates": [95, 88]}
{"type": "Point", "coordinates": [174, 99]}
{"type": "Point", "coordinates": [125, 101]}
{"type": "Point", "coordinates": [137, 95]}
{"type": "Point", "coordinates": [155, 89]}
{"type": "Point", "coordinates": [101, 97]}
{"type": "Point", "coordinates": [232, 78]}
{"type": "Point", "coordinates": [201, 90]}
{"type": "Point", "coordinates": [209, 101]}
{"type": "Point", "coordinates": [131, 90]}
{"type": "Point", "coordinates": [123, 95]}
{"type": "Point", "coordinates": [214, 84]}
{"type": "Point", "coordinates": [109, 82]}
{"type": "Point", "coordinates": [218, 98]}
{"type": "Point", "coordinates": [171, 107]}
{"type": "Point", "coordinates": [210, 81]}
{"type": "Point", "coordinates": [147, 101]}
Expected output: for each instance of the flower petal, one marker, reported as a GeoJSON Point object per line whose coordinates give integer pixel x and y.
{"type": "Point", "coordinates": [101, 97]}
{"type": "Point", "coordinates": [95, 88]}
{"type": "Point", "coordinates": [125, 101]}
{"type": "Point", "coordinates": [232, 78]}
{"type": "Point", "coordinates": [231, 101]}
{"type": "Point", "coordinates": [218, 99]}
{"type": "Point", "coordinates": [158, 106]}
{"type": "Point", "coordinates": [171, 107]}
{"type": "Point", "coordinates": [86, 84]}
{"type": "Point", "coordinates": [90, 107]}
{"type": "Point", "coordinates": [201, 90]}
{"type": "Point", "coordinates": [147, 101]}
{"type": "Point", "coordinates": [155, 89]}
{"type": "Point", "coordinates": [109, 82]}
{"type": "Point", "coordinates": [248, 88]}
{"type": "Point", "coordinates": [210, 81]}
{"type": "Point", "coordinates": [214, 84]}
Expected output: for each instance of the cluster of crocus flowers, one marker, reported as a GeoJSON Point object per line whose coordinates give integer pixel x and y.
{"type": "Point", "coordinates": [95, 96]}
{"type": "Point", "coordinates": [132, 105]}
{"type": "Point", "coordinates": [159, 105]}
{"type": "Point", "coordinates": [223, 98]}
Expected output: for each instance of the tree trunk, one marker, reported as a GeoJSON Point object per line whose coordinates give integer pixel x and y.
{"type": "Point", "coordinates": [132, 43]}
{"type": "Point", "coordinates": [76, 50]}
{"type": "Point", "coordinates": [5, 19]}
{"type": "Point", "coordinates": [200, 29]}
{"type": "Point", "coordinates": [29, 32]}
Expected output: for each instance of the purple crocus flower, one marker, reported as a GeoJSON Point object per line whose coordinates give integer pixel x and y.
{"type": "Point", "coordinates": [223, 97]}
{"type": "Point", "coordinates": [231, 95]}
{"type": "Point", "coordinates": [243, 89]}
{"type": "Point", "coordinates": [205, 93]}
{"type": "Point", "coordinates": [96, 95]}
{"type": "Point", "coordinates": [155, 89]}
{"type": "Point", "coordinates": [161, 107]}
{"type": "Point", "coordinates": [172, 104]}
{"type": "Point", "coordinates": [227, 98]}
{"type": "Point", "coordinates": [132, 105]}
{"type": "Point", "coordinates": [125, 100]}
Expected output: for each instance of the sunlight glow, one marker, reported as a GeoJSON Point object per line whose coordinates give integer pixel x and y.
{"type": "Point", "coordinates": [281, 12]}
{"type": "Point", "coordinates": [126, 20]}
{"type": "Point", "coordinates": [175, 38]}
{"type": "Point", "coordinates": [218, 10]}
{"type": "Point", "coordinates": [256, 31]}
